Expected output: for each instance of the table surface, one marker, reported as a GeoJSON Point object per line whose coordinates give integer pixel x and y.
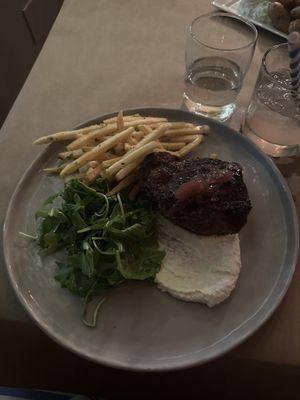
{"type": "Point", "coordinates": [107, 55]}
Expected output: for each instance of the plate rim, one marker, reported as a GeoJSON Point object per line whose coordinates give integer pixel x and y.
{"type": "Point", "coordinates": [229, 341]}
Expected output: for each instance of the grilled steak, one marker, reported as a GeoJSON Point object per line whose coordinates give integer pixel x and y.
{"type": "Point", "coordinates": [202, 195]}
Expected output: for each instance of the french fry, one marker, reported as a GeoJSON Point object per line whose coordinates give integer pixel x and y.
{"type": "Point", "coordinates": [96, 134]}
{"type": "Point", "coordinates": [145, 128]}
{"type": "Point", "coordinates": [57, 137]}
{"type": "Point", "coordinates": [187, 131]}
{"type": "Point", "coordinates": [53, 170]}
{"type": "Point", "coordinates": [122, 185]}
{"type": "Point", "coordinates": [76, 176]}
{"type": "Point", "coordinates": [203, 129]}
{"type": "Point", "coordinates": [77, 153]}
{"type": "Point", "coordinates": [86, 148]}
{"type": "Point", "coordinates": [138, 135]}
{"type": "Point", "coordinates": [175, 125]}
{"type": "Point", "coordinates": [65, 154]}
{"type": "Point", "coordinates": [87, 129]}
{"type": "Point", "coordinates": [154, 135]}
{"type": "Point", "coordinates": [184, 138]}
{"type": "Point", "coordinates": [125, 118]}
{"type": "Point", "coordinates": [134, 191]}
{"type": "Point", "coordinates": [132, 140]}
{"type": "Point", "coordinates": [172, 145]}
{"type": "Point", "coordinates": [152, 120]}
{"type": "Point", "coordinates": [128, 147]}
{"type": "Point", "coordinates": [120, 121]}
{"type": "Point", "coordinates": [128, 169]}
{"type": "Point", "coordinates": [65, 135]}
{"type": "Point", "coordinates": [119, 148]}
{"type": "Point", "coordinates": [145, 121]}
{"type": "Point", "coordinates": [132, 155]}
{"type": "Point", "coordinates": [135, 117]}
{"type": "Point", "coordinates": [159, 147]}
{"type": "Point", "coordinates": [90, 169]}
{"type": "Point", "coordinates": [101, 157]}
{"type": "Point", "coordinates": [162, 150]}
{"type": "Point", "coordinates": [155, 119]}
{"type": "Point", "coordinates": [95, 152]}
{"type": "Point", "coordinates": [84, 168]}
{"type": "Point", "coordinates": [108, 163]}
{"type": "Point", "coordinates": [189, 147]}
{"type": "Point", "coordinates": [93, 174]}
{"type": "Point", "coordinates": [93, 164]}
{"type": "Point", "coordinates": [70, 154]}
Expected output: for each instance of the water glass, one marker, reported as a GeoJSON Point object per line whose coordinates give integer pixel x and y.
{"type": "Point", "coordinates": [219, 51]}
{"type": "Point", "coordinates": [272, 119]}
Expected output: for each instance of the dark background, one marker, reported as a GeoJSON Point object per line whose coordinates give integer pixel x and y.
{"type": "Point", "coordinates": [35, 361]}
{"type": "Point", "coordinates": [24, 26]}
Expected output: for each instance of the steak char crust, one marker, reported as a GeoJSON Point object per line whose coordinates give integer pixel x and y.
{"type": "Point", "coordinates": [203, 195]}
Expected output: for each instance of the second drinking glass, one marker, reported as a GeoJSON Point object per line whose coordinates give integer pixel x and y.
{"type": "Point", "coordinates": [219, 51]}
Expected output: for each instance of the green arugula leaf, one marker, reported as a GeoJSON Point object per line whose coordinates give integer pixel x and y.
{"type": "Point", "coordinates": [133, 232]}
{"type": "Point", "coordinates": [144, 264]}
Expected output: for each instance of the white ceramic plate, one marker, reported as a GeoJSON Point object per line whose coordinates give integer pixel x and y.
{"type": "Point", "coordinates": [140, 327]}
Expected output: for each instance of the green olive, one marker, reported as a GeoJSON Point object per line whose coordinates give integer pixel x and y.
{"type": "Point", "coordinates": [279, 16]}
{"type": "Point", "coordinates": [295, 13]}
{"type": "Point", "coordinates": [288, 4]}
{"type": "Point", "coordinates": [295, 25]}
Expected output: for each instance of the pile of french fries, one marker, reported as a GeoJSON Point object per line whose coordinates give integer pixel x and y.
{"type": "Point", "coordinates": [115, 148]}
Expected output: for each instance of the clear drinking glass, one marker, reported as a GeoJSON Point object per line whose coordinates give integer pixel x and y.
{"type": "Point", "coordinates": [272, 119]}
{"type": "Point", "coordinates": [219, 51]}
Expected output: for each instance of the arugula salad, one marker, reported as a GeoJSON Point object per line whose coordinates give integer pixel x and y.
{"type": "Point", "coordinates": [106, 239]}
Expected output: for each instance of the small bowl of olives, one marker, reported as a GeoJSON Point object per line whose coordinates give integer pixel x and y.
{"type": "Point", "coordinates": [285, 15]}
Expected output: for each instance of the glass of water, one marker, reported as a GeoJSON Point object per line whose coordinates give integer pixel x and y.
{"type": "Point", "coordinates": [272, 119]}
{"type": "Point", "coordinates": [219, 51]}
